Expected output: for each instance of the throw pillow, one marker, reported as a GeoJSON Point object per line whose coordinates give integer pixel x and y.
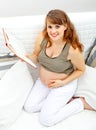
{"type": "Point", "coordinates": [87, 86]}
{"type": "Point", "coordinates": [14, 88]}
{"type": "Point", "coordinates": [91, 59]}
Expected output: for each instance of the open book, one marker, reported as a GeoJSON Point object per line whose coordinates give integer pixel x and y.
{"type": "Point", "coordinates": [16, 47]}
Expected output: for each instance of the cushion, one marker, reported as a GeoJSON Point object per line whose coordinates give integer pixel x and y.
{"type": "Point", "coordinates": [91, 59]}
{"type": "Point", "coordinates": [85, 120]}
{"type": "Point", "coordinates": [14, 88]}
{"type": "Point", "coordinates": [87, 86]}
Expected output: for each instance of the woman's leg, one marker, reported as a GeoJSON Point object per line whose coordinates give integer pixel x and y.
{"type": "Point", "coordinates": [36, 97]}
{"type": "Point", "coordinates": [55, 108]}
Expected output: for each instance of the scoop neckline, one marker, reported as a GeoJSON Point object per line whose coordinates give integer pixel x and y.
{"type": "Point", "coordinates": [55, 56]}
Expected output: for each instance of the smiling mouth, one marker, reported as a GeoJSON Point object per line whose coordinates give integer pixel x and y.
{"type": "Point", "coordinates": [54, 36]}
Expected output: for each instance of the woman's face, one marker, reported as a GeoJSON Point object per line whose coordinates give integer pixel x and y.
{"type": "Point", "coordinates": [55, 31]}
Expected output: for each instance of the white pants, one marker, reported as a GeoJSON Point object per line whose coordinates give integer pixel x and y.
{"type": "Point", "coordinates": [52, 103]}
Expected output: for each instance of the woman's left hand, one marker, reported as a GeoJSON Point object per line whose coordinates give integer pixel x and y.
{"type": "Point", "coordinates": [55, 83]}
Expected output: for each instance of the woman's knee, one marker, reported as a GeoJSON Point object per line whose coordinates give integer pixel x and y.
{"type": "Point", "coordinates": [46, 119]}
{"type": "Point", "coordinates": [30, 108]}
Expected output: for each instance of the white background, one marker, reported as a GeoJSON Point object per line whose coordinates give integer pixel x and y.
{"type": "Point", "coordinates": [30, 7]}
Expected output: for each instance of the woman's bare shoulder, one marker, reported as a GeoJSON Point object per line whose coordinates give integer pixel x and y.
{"type": "Point", "coordinates": [74, 53]}
{"type": "Point", "coordinates": [74, 50]}
{"type": "Point", "coordinates": [77, 58]}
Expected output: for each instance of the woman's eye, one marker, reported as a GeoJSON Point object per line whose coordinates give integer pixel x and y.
{"type": "Point", "coordinates": [57, 26]}
{"type": "Point", "coordinates": [49, 26]}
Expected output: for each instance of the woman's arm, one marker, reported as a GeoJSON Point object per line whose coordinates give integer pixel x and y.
{"type": "Point", "coordinates": [77, 59]}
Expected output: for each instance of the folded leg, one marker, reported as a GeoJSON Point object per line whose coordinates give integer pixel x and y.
{"type": "Point", "coordinates": [36, 97]}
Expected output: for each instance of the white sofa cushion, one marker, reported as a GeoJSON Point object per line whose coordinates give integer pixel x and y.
{"type": "Point", "coordinates": [87, 86]}
{"type": "Point", "coordinates": [14, 88]}
{"type": "Point", "coordinates": [85, 120]}
{"type": "Point", "coordinates": [26, 28]}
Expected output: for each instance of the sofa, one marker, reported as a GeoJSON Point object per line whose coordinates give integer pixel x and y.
{"type": "Point", "coordinates": [16, 83]}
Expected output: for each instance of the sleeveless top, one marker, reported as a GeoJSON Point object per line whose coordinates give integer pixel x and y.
{"type": "Point", "coordinates": [58, 64]}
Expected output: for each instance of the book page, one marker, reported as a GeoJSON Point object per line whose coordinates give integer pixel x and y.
{"type": "Point", "coordinates": [16, 47]}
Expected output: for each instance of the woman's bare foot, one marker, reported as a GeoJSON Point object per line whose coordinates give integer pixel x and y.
{"type": "Point", "coordinates": [86, 105]}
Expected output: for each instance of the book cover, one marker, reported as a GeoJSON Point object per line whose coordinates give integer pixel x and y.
{"type": "Point", "coordinates": [16, 47]}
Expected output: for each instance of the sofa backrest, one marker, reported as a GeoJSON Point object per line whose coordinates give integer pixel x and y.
{"type": "Point", "coordinates": [26, 28]}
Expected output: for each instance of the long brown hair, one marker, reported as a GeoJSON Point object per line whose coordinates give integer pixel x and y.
{"type": "Point", "coordinates": [57, 16]}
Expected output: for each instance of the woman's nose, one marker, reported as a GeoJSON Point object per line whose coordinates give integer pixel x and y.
{"type": "Point", "coordinates": [53, 30]}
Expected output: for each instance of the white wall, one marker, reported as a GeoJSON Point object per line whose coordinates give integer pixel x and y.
{"type": "Point", "coordinates": [30, 7]}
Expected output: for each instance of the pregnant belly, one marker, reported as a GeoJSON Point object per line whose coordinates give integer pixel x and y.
{"type": "Point", "coordinates": [47, 76]}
